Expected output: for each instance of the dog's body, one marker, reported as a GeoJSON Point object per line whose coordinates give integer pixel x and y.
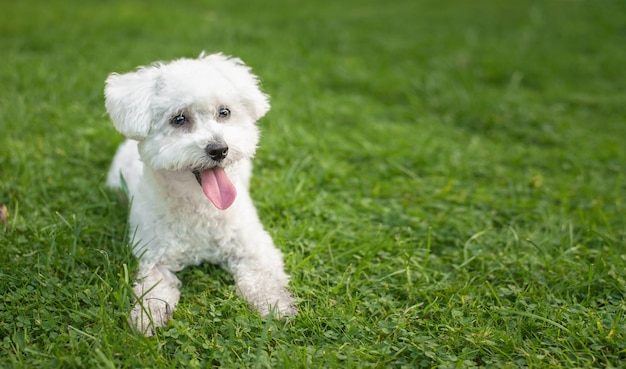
{"type": "Point", "coordinates": [187, 166]}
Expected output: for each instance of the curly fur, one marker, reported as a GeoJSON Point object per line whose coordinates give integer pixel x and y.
{"type": "Point", "coordinates": [173, 222]}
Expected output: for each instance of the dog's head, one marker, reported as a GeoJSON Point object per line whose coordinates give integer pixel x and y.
{"type": "Point", "coordinates": [194, 115]}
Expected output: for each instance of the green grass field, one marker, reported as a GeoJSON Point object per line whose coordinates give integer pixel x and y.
{"type": "Point", "coordinates": [446, 180]}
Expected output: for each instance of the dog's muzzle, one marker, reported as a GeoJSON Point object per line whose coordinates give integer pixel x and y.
{"type": "Point", "coordinates": [214, 181]}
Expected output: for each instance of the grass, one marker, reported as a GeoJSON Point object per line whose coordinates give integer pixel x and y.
{"type": "Point", "coordinates": [446, 181]}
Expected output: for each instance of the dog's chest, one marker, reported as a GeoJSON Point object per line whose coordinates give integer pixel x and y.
{"type": "Point", "coordinates": [203, 235]}
{"type": "Point", "coordinates": [178, 226]}
{"type": "Point", "coordinates": [188, 233]}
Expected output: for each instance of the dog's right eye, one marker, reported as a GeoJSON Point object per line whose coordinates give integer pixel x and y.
{"type": "Point", "coordinates": [179, 120]}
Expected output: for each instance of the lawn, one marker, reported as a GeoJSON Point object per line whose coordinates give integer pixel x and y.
{"type": "Point", "coordinates": [445, 179]}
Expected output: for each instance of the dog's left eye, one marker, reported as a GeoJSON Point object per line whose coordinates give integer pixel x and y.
{"type": "Point", "coordinates": [179, 120]}
{"type": "Point", "coordinates": [223, 113]}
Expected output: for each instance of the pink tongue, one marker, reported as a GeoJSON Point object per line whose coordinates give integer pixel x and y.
{"type": "Point", "coordinates": [218, 188]}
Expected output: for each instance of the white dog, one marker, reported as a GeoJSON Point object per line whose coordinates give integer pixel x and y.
{"type": "Point", "coordinates": [186, 165]}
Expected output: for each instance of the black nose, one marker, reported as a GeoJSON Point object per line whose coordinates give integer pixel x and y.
{"type": "Point", "coordinates": [216, 151]}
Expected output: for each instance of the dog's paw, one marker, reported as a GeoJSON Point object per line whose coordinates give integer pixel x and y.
{"type": "Point", "coordinates": [150, 314]}
{"type": "Point", "coordinates": [284, 306]}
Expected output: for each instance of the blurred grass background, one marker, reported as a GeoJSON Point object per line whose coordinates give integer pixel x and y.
{"type": "Point", "coordinates": [446, 181]}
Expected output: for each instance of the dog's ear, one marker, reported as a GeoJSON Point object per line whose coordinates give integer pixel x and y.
{"type": "Point", "coordinates": [127, 99]}
{"type": "Point", "coordinates": [259, 103]}
{"type": "Point", "coordinates": [256, 100]}
{"type": "Point", "coordinates": [242, 76]}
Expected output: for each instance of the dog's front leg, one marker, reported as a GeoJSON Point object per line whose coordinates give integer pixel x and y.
{"type": "Point", "coordinates": [261, 279]}
{"type": "Point", "coordinates": [157, 293]}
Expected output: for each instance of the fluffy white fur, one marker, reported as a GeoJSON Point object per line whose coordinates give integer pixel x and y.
{"type": "Point", "coordinates": [172, 220]}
